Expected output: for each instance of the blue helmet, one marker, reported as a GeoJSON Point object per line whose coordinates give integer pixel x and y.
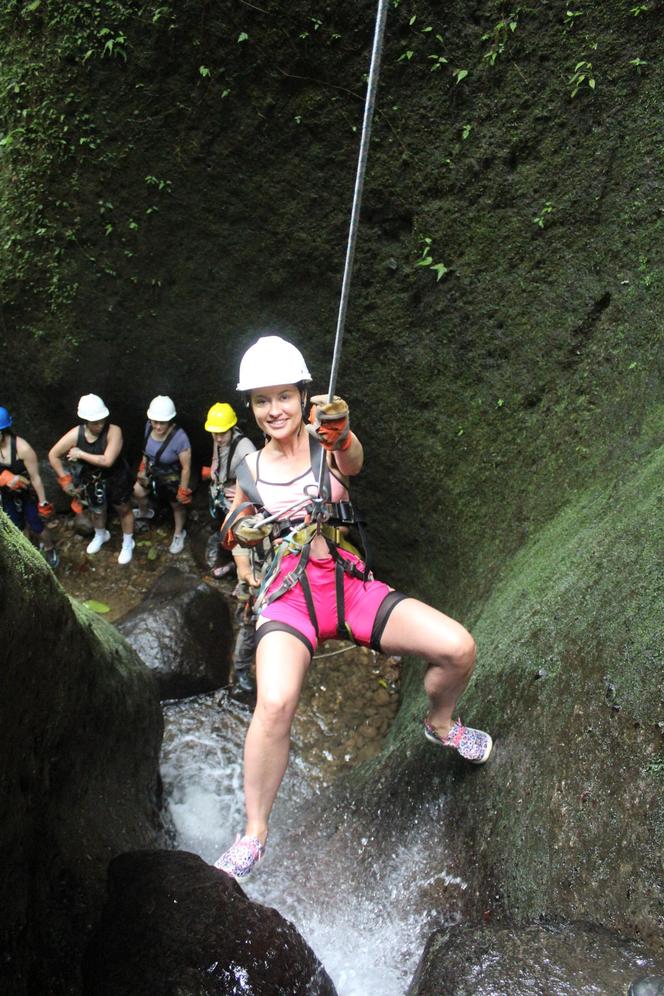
{"type": "Point", "coordinates": [5, 419]}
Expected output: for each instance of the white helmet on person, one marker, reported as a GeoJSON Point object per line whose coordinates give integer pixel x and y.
{"type": "Point", "coordinates": [91, 408]}
{"type": "Point", "coordinates": [161, 409]}
{"type": "Point", "coordinates": [271, 360]}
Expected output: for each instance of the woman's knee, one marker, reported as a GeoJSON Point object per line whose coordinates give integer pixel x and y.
{"type": "Point", "coordinates": [459, 652]}
{"type": "Point", "coordinates": [276, 712]}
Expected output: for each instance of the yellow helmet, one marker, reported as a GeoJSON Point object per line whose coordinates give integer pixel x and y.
{"type": "Point", "coordinates": [220, 418]}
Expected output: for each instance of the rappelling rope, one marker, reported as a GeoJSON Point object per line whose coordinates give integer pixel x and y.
{"type": "Point", "coordinates": [369, 104]}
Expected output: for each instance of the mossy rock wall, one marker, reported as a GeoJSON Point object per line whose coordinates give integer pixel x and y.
{"type": "Point", "coordinates": [81, 730]}
{"type": "Point", "coordinates": [176, 179]}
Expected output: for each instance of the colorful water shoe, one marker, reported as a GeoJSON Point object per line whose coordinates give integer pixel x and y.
{"type": "Point", "coordinates": [241, 858]}
{"type": "Point", "coordinates": [473, 745]}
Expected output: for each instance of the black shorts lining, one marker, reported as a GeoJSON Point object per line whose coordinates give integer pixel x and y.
{"type": "Point", "coordinates": [385, 608]}
{"type": "Point", "coordinates": [277, 626]}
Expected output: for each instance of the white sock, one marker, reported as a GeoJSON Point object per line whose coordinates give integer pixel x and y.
{"type": "Point", "coordinates": [100, 532]}
{"type": "Point", "coordinates": [127, 539]}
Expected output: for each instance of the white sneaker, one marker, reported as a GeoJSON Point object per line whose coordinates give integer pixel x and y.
{"type": "Point", "coordinates": [147, 514]}
{"type": "Point", "coordinates": [127, 551]}
{"type": "Point", "coordinates": [177, 543]}
{"type": "Point", "coordinates": [100, 537]}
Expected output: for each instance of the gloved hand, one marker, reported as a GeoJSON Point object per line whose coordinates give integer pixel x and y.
{"type": "Point", "coordinates": [251, 530]}
{"type": "Point", "coordinates": [76, 506]}
{"type": "Point", "coordinates": [66, 482]}
{"type": "Point", "coordinates": [330, 422]}
{"type": "Point", "coordinates": [45, 510]}
{"type": "Point", "coordinates": [141, 475]}
{"type": "Point", "coordinates": [206, 473]}
{"type": "Point", "coordinates": [15, 482]}
{"type": "Point", "coordinates": [184, 496]}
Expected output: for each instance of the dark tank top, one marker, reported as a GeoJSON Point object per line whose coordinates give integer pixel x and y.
{"type": "Point", "coordinates": [15, 465]}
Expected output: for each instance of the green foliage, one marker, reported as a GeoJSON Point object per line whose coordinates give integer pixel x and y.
{"type": "Point", "coordinates": [540, 219]}
{"type": "Point", "coordinates": [426, 259]}
{"type": "Point", "coordinates": [581, 77]}
{"type": "Point", "coordinates": [498, 37]}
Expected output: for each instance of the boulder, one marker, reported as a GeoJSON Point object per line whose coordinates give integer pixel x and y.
{"type": "Point", "coordinates": [173, 924]}
{"type": "Point", "coordinates": [183, 631]}
{"type": "Point", "coordinates": [574, 959]}
{"type": "Point", "coordinates": [81, 728]}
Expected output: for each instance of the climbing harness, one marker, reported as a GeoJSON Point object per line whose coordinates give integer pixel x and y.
{"type": "Point", "coordinates": [156, 472]}
{"type": "Point", "coordinates": [218, 504]}
{"type": "Point", "coordinates": [90, 484]}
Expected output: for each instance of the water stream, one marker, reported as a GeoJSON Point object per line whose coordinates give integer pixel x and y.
{"type": "Point", "coordinates": [370, 944]}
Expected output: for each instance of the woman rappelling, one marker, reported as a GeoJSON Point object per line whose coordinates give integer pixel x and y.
{"type": "Point", "coordinates": [317, 585]}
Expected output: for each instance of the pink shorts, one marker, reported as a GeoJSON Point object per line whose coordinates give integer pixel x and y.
{"type": "Point", "coordinates": [367, 605]}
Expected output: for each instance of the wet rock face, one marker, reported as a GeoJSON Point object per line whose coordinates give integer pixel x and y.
{"type": "Point", "coordinates": [574, 960]}
{"type": "Point", "coordinates": [81, 728]}
{"type": "Point", "coordinates": [183, 632]}
{"type": "Point", "coordinates": [174, 924]}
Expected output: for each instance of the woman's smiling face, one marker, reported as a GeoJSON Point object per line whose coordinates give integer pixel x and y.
{"type": "Point", "coordinates": [277, 410]}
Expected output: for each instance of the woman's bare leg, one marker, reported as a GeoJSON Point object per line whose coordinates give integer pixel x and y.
{"type": "Point", "coordinates": [282, 662]}
{"type": "Point", "coordinates": [416, 628]}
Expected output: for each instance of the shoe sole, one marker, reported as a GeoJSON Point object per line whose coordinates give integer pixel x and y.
{"type": "Point", "coordinates": [480, 760]}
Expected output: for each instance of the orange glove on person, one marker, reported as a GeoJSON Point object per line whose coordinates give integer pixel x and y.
{"type": "Point", "coordinates": [330, 422]}
{"type": "Point", "coordinates": [15, 482]}
{"type": "Point", "coordinates": [76, 506]}
{"type": "Point", "coordinates": [45, 510]}
{"type": "Point", "coordinates": [184, 496]}
{"type": "Point", "coordinates": [206, 473]}
{"type": "Point", "coordinates": [66, 482]}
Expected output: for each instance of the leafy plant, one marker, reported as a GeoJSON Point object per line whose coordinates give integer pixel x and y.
{"type": "Point", "coordinates": [545, 212]}
{"type": "Point", "coordinates": [426, 259]}
{"type": "Point", "coordinates": [499, 35]}
{"type": "Point", "coordinates": [638, 63]}
{"type": "Point", "coordinates": [459, 75]}
{"type": "Point", "coordinates": [581, 76]}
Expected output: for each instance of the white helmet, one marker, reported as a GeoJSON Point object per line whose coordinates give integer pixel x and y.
{"type": "Point", "coordinates": [161, 409]}
{"type": "Point", "coordinates": [271, 361]}
{"type": "Point", "coordinates": [91, 408]}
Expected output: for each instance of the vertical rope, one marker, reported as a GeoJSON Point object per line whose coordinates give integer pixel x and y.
{"type": "Point", "coordinates": [369, 104]}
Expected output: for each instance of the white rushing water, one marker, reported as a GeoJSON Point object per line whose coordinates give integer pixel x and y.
{"type": "Point", "coordinates": [368, 945]}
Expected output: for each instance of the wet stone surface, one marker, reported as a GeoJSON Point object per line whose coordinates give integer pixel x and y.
{"type": "Point", "coordinates": [350, 698]}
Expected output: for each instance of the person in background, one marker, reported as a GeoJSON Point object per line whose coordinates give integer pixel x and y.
{"type": "Point", "coordinates": [98, 474]}
{"type": "Point", "coordinates": [165, 469]}
{"type": "Point", "coordinates": [22, 494]}
{"type": "Point", "coordinates": [229, 448]}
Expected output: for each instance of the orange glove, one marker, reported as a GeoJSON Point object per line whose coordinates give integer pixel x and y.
{"type": "Point", "coordinates": [184, 496]}
{"type": "Point", "coordinates": [206, 473]}
{"type": "Point", "coordinates": [45, 510]}
{"type": "Point", "coordinates": [15, 482]}
{"type": "Point", "coordinates": [66, 482]}
{"type": "Point", "coordinates": [330, 422]}
{"type": "Point", "coordinates": [76, 506]}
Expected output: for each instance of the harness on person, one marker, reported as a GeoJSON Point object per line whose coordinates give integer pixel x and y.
{"type": "Point", "coordinates": [218, 502]}
{"type": "Point", "coordinates": [295, 536]}
{"type": "Point", "coordinates": [89, 482]}
{"type": "Point", "coordinates": [16, 466]}
{"type": "Point", "coordinates": [156, 472]}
